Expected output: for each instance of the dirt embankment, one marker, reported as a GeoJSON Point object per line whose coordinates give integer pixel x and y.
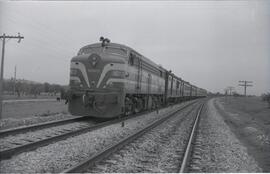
{"type": "Point", "coordinates": [249, 119]}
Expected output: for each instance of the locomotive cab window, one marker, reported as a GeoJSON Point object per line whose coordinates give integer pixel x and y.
{"type": "Point", "coordinates": [131, 59]}
{"type": "Point", "coordinates": [136, 60]}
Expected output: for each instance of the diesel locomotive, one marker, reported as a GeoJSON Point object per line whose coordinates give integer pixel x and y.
{"type": "Point", "coordinates": [109, 79]}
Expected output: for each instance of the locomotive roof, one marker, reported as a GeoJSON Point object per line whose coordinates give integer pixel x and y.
{"type": "Point", "coordinates": [129, 50]}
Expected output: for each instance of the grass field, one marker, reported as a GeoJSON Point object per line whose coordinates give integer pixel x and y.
{"type": "Point", "coordinates": [249, 119]}
{"type": "Point", "coordinates": [15, 97]}
{"type": "Point", "coordinates": [20, 110]}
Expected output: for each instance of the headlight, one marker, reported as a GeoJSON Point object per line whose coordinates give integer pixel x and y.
{"type": "Point", "coordinates": [117, 73]}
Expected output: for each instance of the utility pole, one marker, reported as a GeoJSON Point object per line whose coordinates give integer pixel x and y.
{"type": "Point", "coordinates": [245, 84]}
{"type": "Point", "coordinates": [226, 91]}
{"type": "Point", "coordinates": [14, 87]}
{"type": "Point", "coordinates": [230, 89]}
{"type": "Point", "coordinates": [4, 37]}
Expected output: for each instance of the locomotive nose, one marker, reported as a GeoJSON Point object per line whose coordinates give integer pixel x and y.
{"type": "Point", "coordinates": [97, 71]}
{"type": "Point", "coordinates": [94, 59]}
{"type": "Point", "coordinates": [85, 70]}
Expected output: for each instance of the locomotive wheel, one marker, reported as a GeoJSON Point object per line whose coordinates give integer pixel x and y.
{"type": "Point", "coordinates": [149, 103]}
{"type": "Point", "coordinates": [138, 105]}
{"type": "Point", "coordinates": [155, 103]}
{"type": "Point", "coordinates": [128, 106]}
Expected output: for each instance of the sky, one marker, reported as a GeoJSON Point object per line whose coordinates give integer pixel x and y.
{"type": "Point", "coordinates": [211, 44]}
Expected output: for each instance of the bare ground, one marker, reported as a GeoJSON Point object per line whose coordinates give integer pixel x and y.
{"type": "Point", "coordinates": [249, 120]}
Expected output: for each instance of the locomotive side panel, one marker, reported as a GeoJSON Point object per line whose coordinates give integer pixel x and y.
{"type": "Point", "coordinates": [149, 83]}
{"type": "Point", "coordinates": [144, 77]}
{"type": "Point", "coordinates": [187, 88]}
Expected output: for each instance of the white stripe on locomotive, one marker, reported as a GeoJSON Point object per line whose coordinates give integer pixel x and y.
{"type": "Point", "coordinates": [75, 78]}
{"type": "Point", "coordinates": [109, 67]}
{"type": "Point", "coordinates": [81, 67]}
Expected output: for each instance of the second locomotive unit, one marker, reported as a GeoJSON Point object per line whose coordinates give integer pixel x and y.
{"type": "Point", "coordinates": [109, 79]}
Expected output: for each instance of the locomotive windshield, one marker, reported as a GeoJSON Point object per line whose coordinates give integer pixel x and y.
{"type": "Point", "coordinates": [108, 50]}
{"type": "Point", "coordinates": [112, 50]}
{"type": "Point", "coordinates": [88, 50]}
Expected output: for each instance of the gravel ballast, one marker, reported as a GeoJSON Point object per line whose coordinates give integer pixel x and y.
{"type": "Point", "coordinates": [159, 150]}
{"type": "Point", "coordinates": [61, 155]}
{"type": "Point", "coordinates": [220, 150]}
{"type": "Point", "coordinates": [8, 142]}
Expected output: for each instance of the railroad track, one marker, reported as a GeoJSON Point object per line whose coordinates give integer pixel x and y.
{"type": "Point", "coordinates": [189, 147]}
{"type": "Point", "coordinates": [24, 129]}
{"type": "Point", "coordinates": [24, 139]}
{"type": "Point", "coordinates": [68, 128]}
{"type": "Point", "coordinates": [105, 153]}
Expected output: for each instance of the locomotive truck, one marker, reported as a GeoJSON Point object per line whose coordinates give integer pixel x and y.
{"type": "Point", "coordinates": [109, 79]}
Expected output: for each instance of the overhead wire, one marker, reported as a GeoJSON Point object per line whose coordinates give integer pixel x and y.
{"type": "Point", "coordinates": [38, 32]}
{"type": "Point", "coordinates": [35, 41]}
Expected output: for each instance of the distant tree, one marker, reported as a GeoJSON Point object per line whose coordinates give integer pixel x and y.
{"type": "Point", "coordinates": [235, 94]}
{"type": "Point", "coordinates": [25, 87]}
{"type": "Point", "coordinates": [266, 97]}
{"type": "Point", "coordinates": [46, 87]}
{"type": "Point", "coordinates": [54, 88]}
{"type": "Point", "coordinates": [34, 89]}
{"type": "Point", "coordinates": [18, 88]}
{"type": "Point", "coordinates": [40, 88]}
{"type": "Point", "coordinates": [8, 85]}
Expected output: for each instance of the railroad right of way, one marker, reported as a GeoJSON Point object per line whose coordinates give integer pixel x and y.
{"type": "Point", "coordinates": [61, 155]}
{"type": "Point", "coordinates": [159, 147]}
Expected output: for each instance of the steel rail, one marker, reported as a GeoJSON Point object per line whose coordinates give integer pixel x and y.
{"type": "Point", "coordinates": [112, 148]}
{"type": "Point", "coordinates": [188, 149]}
{"type": "Point", "coordinates": [20, 130]}
{"type": "Point", "coordinates": [5, 154]}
